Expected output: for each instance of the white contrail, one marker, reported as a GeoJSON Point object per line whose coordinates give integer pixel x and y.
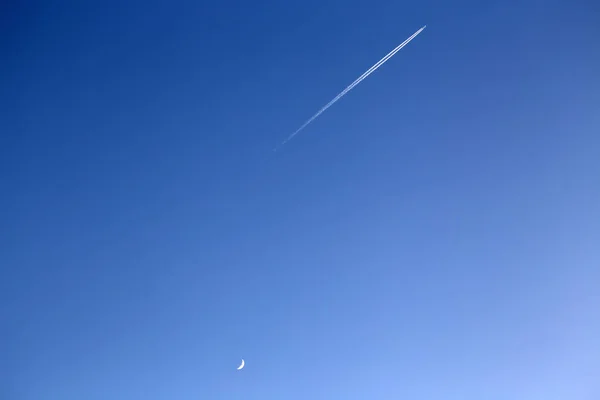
{"type": "Point", "coordinates": [356, 82]}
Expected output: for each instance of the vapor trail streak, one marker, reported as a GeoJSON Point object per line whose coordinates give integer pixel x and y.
{"type": "Point", "coordinates": [353, 84]}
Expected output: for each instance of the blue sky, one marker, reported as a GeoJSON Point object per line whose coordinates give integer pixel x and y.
{"type": "Point", "coordinates": [433, 235]}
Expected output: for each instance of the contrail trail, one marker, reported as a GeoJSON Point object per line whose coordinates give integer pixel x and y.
{"type": "Point", "coordinates": [353, 84]}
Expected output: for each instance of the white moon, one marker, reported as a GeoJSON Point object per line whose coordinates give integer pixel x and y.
{"type": "Point", "coordinates": [241, 365]}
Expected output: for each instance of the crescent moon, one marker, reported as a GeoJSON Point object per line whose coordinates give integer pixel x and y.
{"type": "Point", "coordinates": [241, 365]}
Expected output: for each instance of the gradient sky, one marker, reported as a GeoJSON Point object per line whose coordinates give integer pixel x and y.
{"type": "Point", "coordinates": [434, 235]}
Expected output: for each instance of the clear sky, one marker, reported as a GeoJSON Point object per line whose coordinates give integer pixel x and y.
{"type": "Point", "coordinates": [434, 235]}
